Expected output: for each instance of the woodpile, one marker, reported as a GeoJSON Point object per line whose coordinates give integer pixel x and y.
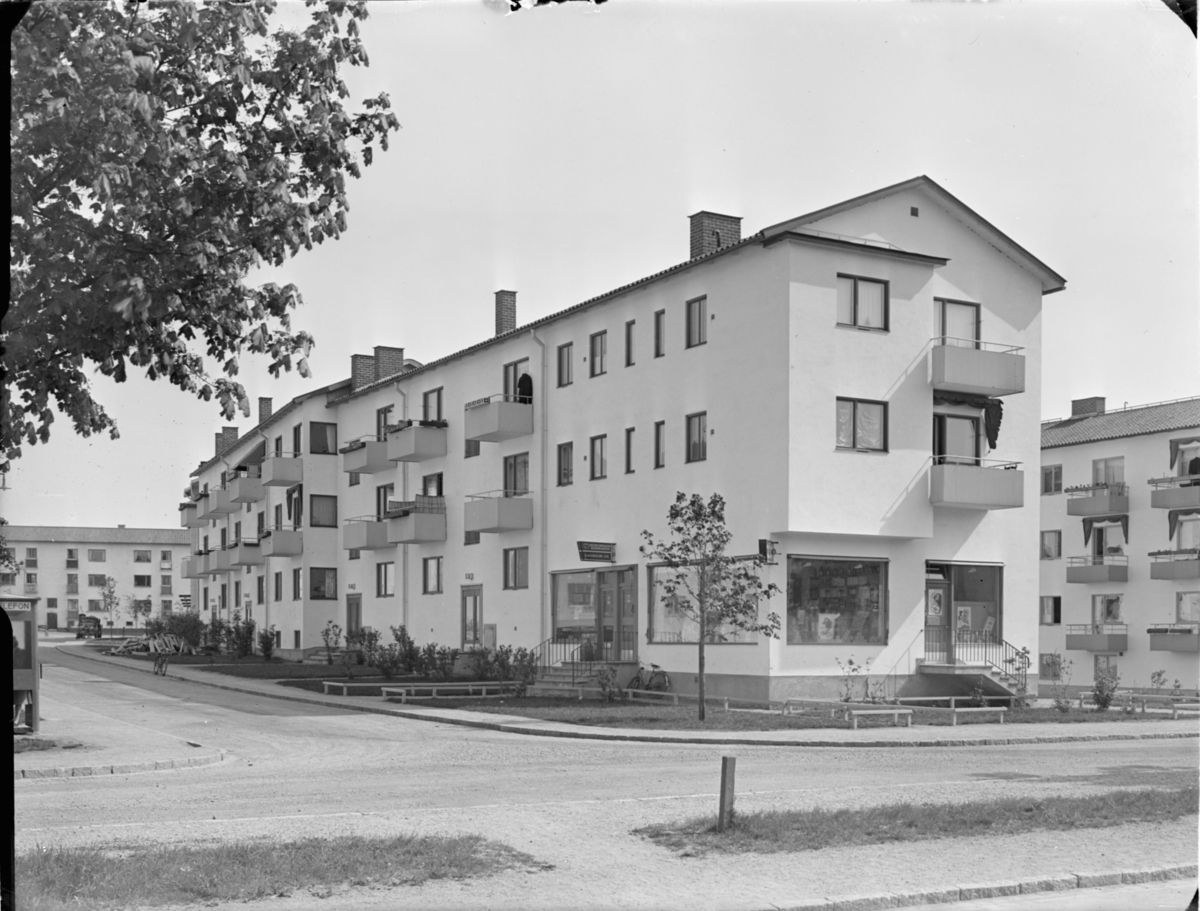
{"type": "Point", "coordinates": [162, 643]}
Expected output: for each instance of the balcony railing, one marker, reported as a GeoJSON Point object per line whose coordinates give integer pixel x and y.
{"type": "Point", "coordinates": [365, 533]}
{"type": "Point", "coordinates": [282, 469]}
{"type": "Point", "coordinates": [282, 541]}
{"type": "Point", "coordinates": [1098, 499]}
{"type": "Point", "coordinates": [1175, 492]}
{"type": "Point", "coordinates": [416, 521]}
{"type": "Point", "coordinates": [189, 516]}
{"type": "Point", "coordinates": [1098, 637]}
{"type": "Point", "coordinates": [968, 483]}
{"type": "Point", "coordinates": [410, 441]}
{"type": "Point", "coordinates": [977, 646]}
{"type": "Point", "coordinates": [220, 502]}
{"type": "Point", "coordinates": [498, 511]}
{"type": "Point", "coordinates": [498, 417]}
{"type": "Point", "coordinates": [246, 486]}
{"type": "Point", "coordinates": [366, 455]}
{"type": "Point", "coordinates": [1175, 637]}
{"type": "Point", "coordinates": [245, 552]}
{"type": "Point", "coordinates": [1175, 564]}
{"type": "Point", "coordinates": [1098, 568]}
{"type": "Point", "coordinates": [975, 367]}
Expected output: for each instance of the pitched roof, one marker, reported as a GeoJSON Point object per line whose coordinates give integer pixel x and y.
{"type": "Point", "coordinates": [73, 534]}
{"type": "Point", "coordinates": [1051, 280]}
{"type": "Point", "coordinates": [1180, 414]}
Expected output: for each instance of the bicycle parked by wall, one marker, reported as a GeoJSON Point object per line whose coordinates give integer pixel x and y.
{"type": "Point", "coordinates": [655, 679]}
{"type": "Point", "coordinates": [160, 663]}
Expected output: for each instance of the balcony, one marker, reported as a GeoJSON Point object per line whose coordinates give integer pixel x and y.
{"type": "Point", "coordinates": [246, 487]}
{"type": "Point", "coordinates": [246, 552]}
{"type": "Point", "coordinates": [1096, 568]}
{"type": "Point", "coordinates": [1175, 493]}
{"type": "Point", "coordinates": [282, 470]}
{"type": "Point", "coordinates": [976, 483]}
{"type": "Point", "coordinates": [976, 368]}
{"type": "Point", "coordinates": [366, 455]}
{"type": "Point", "coordinates": [203, 513]}
{"type": "Point", "coordinates": [220, 561]}
{"type": "Point", "coordinates": [220, 503]}
{"type": "Point", "coordinates": [1175, 564]}
{"type": "Point", "coordinates": [1175, 637]}
{"type": "Point", "coordinates": [1098, 637]}
{"type": "Point", "coordinates": [498, 417]}
{"type": "Point", "coordinates": [498, 511]}
{"type": "Point", "coordinates": [418, 521]}
{"type": "Point", "coordinates": [1097, 500]}
{"type": "Point", "coordinates": [365, 533]}
{"type": "Point", "coordinates": [409, 442]}
{"type": "Point", "coordinates": [282, 542]}
{"type": "Point", "coordinates": [189, 516]}
{"type": "Point", "coordinates": [193, 567]}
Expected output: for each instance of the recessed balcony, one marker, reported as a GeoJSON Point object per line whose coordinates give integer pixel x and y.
{"type": "Point", "coordinates": [976, 368]}
{"type": "Point", "coordinates": [1097, 500]}
{"type": "Point", "coordinates": [246, 487]}
{"type": "Point", "coordinates": [189, 516]}
{"type": "Point", "coordinates": [498, 511]}
{"type": "Point", "coordinates": [1175, 493]}
{"type": "Point", "coordinates": [282, 470]}
{"type": "Point", "coordinates": [1098, 637]}
{"type": "Point", "coordinates": [976, 483]}
{"type": "Point", "coordinates": [1175, 637]}
{"type": "Point", "coordinates": [1097, 568]}
{"type": "Point", "coordinates": [220, 503]}
{"type": "Point", "coordinates": [416, 442]}
{"type": "Point", "coordinates": [418, 521]}
{"type": "Point", "coordinates": [366, 455]}
{"type": "Point", "coordinates": [282, 542]}
{"type": "Point", "coordinates": [365, 533]}
{"type": "Point", "coordinates": [1175, 564]}
{"type": "Point", "coordinates": [246, 552]}
{"type": "Point", "coordinates": [498, 417]}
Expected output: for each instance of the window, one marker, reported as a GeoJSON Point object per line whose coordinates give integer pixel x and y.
{"type": "Point", "coordinates": [1050, 666]}
{"type": "Point", "coordinates": [73, 558]}
{"type": "Point", "coordinates": [516, 567]}
{"type": "Point", "coordinates": [1109, 471]}
{"type": "Point", "coordinates": [1107, 540]}
{"type": "Point", "coordinates": [431, 405]}
{"type": "Point", "coordinates": [1051, 479]}
{"type": "Point", "coordinates": [566, 372]}
{"type": "Point", "coordinates": [697, 316]}
{"type": "Point", "coordinates": [166, 608]}
{"type": "Point", "coordinates": [862, 302]}
{"type": "Point", "coordinates": [297, 449]}
{"type": "Point", "coordinates": [1188, 535]}
{"type": "Point", "coordinates": [10, 579]}
{"type": "Point", "coordinates": [471, 449]}
{"type": "Point", "coordinates": [470, 537]}
{"type": "Point", "coordinates": [323, 512]}
{"type": "Point", "coordinates": [383, 493]}
{"type": "Point", "coordinates": [566, 458]}
{"type": "Point", "coordinates": [277, 516]}
{"type": "Point", "coordinates": [675, 618]}
{"type": "Point", "coordinates": [94, 605]}
{"type": "Point", "coordinates": [431, 575]}
{"type": "Point", "coordinates": [629, 450]}
{"type": "Point", "coordinates": [260, 525]}
{"type": "Point", "coordinates": [472, 618]}
{"type": "Point", "coordinates": [599, 352]}
{"type": "Point", "coordinates": [31, 557]}
{"type": "Point", "coordinates": [629, 343]}
{"type": "Point", "coordinates": [1187, 461]}
{"type": "Point", "coordinates": [322, 584]}
{"type": "Point", "coordinates": [385, 580]}
{"type": "Point", "coordinates": [697, 437]}
{"type": "Point", "coordinates": [1187, 607]}
{"type": "Point", "coordinates": [862, 424]}
{"type": "Point", "coordinates": [1105, 665]}
{"type": "Point", "coordinates": [660, 444]}
{"type": "Point", "coordinates": [72, 583]}
{"type": "Point", "coordinates": [96, 556]}
{"type": "Point", "coordinates": [599, 458]}
{"type": "Point", "coordinates": [203, 599]}
{"type": "Point", "coordinates": [1051, 545]}
{"type": "Point", "coordinates": [260, 593]}
{"type": "Point", "coordinates": [165, 557]}
{"type": "Point", "coordinates": [382, 419]}
{"type": "Point", "coordinates": [322, 438]}
{"type": "Point", "coordinates": [513, 375]}
{"type": "Point", "coordinates": [354, 554]}
{"type": "Point", "coordinates": [277, 446]}
{"type": "Point", "coordinates": [1106, 609]}
{"type": "Point", "coordinates": [959, 323]}
{"type": "Point", "coordinates": [660, 333]}
{"type": "Point", "coordinates": [955, 440]}
{"type": "Point", "coordinates": [431, 485]}
{"type": "Point", "coordinates": [97, 581]}
{"type": "Point", "coordinates": [31, 579]}
{"type": "Point", "coordinates": [1051, 610]}
{"type": "Point", "coordinates": [141, 581]}
{"type": "Point", "coordinates": [72, 605]}
{"type": "Point", "coordinates": [516, 474]}
{"type": "Point", "coordinates": [279, 586]}
{"type": "Point", "coordinates": [355, 479]}
{"type": "Point", "coordinates": [296, 584]}
{"type": "Point", "coordinates": [141, 556]}
{"type": "Point", "coordinates": [836, 600]}
{"type": "Point", "coordinates": [237, 594]}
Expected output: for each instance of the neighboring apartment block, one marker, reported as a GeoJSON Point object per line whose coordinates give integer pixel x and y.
{"type": "Point", "coordinates": [1120, 544]}
{"type": "Point", "coordinates": [66, 568]}
{"type": "Point", "coordinates": [838, 378]}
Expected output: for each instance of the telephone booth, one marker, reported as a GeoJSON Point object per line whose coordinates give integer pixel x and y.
{"type": "Point", "coordinates": [22, 614]}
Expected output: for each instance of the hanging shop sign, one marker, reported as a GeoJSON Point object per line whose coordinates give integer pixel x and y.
{"type": "Point", "coordinates": [597, 552]}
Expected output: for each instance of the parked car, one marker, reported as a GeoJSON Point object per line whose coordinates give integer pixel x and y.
{"type": "Point", "coordinates": [88, 628]}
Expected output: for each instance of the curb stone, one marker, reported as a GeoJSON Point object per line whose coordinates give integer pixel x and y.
{"type": "Point", "coordinates": [124, 768]}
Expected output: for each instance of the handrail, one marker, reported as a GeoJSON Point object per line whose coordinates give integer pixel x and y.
{"type": "Point", "coordinates": [1096, 629]}
{"type": "Point", "coordinates": [1099, 560]}
{"type": "Point", "coordinates": [974, 462]}
{"type": "Point", "coordinates": [1112, 488]}
{"type": "Point", "coordinates": [942, 341]}
{"type": "Point", "coordinates": [891, 674]}
{"type": "Point", "coordinates": [423, 503]}
{"type": "Point", "coordinates": [502, 396]}
{"type": "Point", "coordinates": [1170, 556]}
{"type": "Point", "coordinates": [498, 494]}
{"type": "Point", "coordinates": [1183, 480]}
{"type": "Point", "coordinates": [979, 646]}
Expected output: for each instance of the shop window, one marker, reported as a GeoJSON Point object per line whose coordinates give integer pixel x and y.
{"type": "Point", "coordinates": [675, 617]}
{"type": "Point", "coordinates": [836, 600]}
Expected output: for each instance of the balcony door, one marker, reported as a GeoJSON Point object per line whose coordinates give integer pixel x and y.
{"type": "Point", "coordinates": [960, 324]}
{"type": "Point", "coordinates": [353, 614]}
{"type": "Point", "coordinates": [955, 440]}
{"type": "Point", "coordinates": [516, 474]}
{"type": "Point", "coordinates": [1107, 541]}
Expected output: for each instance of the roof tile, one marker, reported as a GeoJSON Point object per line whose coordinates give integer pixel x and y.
{"type": "Point", "coordinates": [1128, 422]}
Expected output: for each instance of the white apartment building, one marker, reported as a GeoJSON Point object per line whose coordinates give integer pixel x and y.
{"type": "Point", "coordinates": [837, 377]}
{"type": "Point", "coordinates": [1120, 544]}
{"type": "Point", "coordinates": [66, 567]}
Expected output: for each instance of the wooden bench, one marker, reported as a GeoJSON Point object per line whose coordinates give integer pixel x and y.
{"type": "Point", "coordinates": [956, 711]}
{"type": "Point", "coordinates": [444, 690]}
{"type": "Point", "coordinates": [852, 715]}
{"type": "Point", "coordinates": [344, 687]}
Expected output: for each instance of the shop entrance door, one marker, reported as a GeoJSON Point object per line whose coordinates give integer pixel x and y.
{"type": "Point", "coordinates": [617, 616]}
{"type": "Point", "coordinates": [939, 646]}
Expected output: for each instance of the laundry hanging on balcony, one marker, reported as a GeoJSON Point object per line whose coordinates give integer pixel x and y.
{"type": "Point", "coordinates": [294, 513]}
{"type": "Point", "coordinates": [993, 410]}
{"type": "Point", "coordinates": [1179, 443]}
{"type": "Point", "coordinates": [1174, 515]}
{"type": "Point", "coordinates": [1089, 522]}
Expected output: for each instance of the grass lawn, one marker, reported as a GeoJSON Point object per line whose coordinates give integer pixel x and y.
{"type": "Point", "coordinates": [23, 744]}
{"type": "Point", "coordinates": [56, 879]}
{"type": "Point", "coordinates": [774, 831]}
{"type": "Point", "coordinates": [683, 717]}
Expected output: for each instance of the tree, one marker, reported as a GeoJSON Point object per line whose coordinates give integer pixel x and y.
{"type": "Point", "coordinates": [159, 152]}
{"type": "Point", "coordinates": [138, 608]}
{"type": "Point", "coordinates": [110, 601]}
{"type": "Point", "coordinates": [705, 584]}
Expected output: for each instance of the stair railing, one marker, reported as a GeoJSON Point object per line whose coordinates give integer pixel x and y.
{"type": "Point", "coordinates": [890, 676]}
{"type": "Point", "coordinates": [554, 651]}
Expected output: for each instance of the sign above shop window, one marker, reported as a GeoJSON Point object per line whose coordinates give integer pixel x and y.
{"type": "Point", "coordinates": [597, 552]}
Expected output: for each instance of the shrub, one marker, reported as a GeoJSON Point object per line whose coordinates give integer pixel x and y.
{"type": "Point", "coordinates": [214, 633]}
{"type": "Point", "coordinates": [978, 698]}
{"type": "Point", "coordinates": [443, 662]}
{"type": "Point", "coordinates": [389, 659]}
{"type": "Point", "coordinates": [479, 661]}
{"type": "Point", "coordinates": [239, 636]}
{"type": "Point", "coordinates": [851, 671]}
{"type": "Point", "coordinates": [410, 654]}
{"type": "Point", "coordinates": [266, 642]}
{"type": "Point", "coordinates": [368, 640]}
{"type": "Point", "coordinates": [606, 677]}
{"type": "Point", "coordinates": [428, 663]}
{"type": "Point", "coordinates": [1061, 681]}
{"type": "Point", "coordinates": [155, 626]}
{"type": "Point", "coordinates": [1104, 688]}
{"type": "Point", "coordinates": [1158, 680]}
{"type": "Point", "coordinates": [524, 669]}
{"type": "Point", "coordinates": [187, 626]}
{"type": "Point", "coordinates": [502, 662]}
{"type": "Point", "coordinates": [331, 636]}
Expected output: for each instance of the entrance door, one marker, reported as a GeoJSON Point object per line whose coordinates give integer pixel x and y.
{"type": "Point", "coordinates": [938, 641]}
{"type": "Point", "coordinates": [472, 616]}
{"type": "Point", "coordinates": [617, 614]}
{"type": "Point", "coordinates": [606, 615]}
{"type": "Point", "coordinates": [353, 614]}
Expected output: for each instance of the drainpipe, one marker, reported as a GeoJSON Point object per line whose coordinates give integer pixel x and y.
{"type": "Point", "coordinates": [266, 594]}
{"type": "Point", "coordinates": [544, 570]}
{"type": "Point", "coordinates": [224, 480]}
{"type": "Point", "coordinates": [403, 496]}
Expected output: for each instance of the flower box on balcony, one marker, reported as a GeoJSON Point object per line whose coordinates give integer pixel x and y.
{"type": "Point", "coordinates": [1175, 564]}
{"type": "Point", "coordinates": [366, 456]}
{"type": "Point", "coordinates": [1175, 637]}
{"type": "Point", "coordinates": [1175, 492]}
{"type": "Point", "coordinates": [1097, 500]}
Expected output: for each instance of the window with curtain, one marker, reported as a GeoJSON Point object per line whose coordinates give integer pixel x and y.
{"type": "Point", "coordinates": [323, 585]}
{"type": "Point", "coordinates": [697, 328]}
{"type": "Point", "coordinates": [598, 348]}
{"type": "Point", "coordinates": [383, 493]}
{"type": "Point", "coordinates": [431, 575]}
{"type": "Point", "coordinates": [861, 424]}
{"type": "Point", "coordinates": [862, 302]}
{"type": "Point", "coordinates": [1187, 607]}
{"type": "Point", "coordinates": [512, 377]}
{"type": "Point", "coordinates": [1051, 545]}
{"type": "Point", "coordinates": [322, 438]}
{"type": "Point", "coordinates": [431, 485]}
{"type": "Point", "coordinates": [1051, 479]}
{"type": "Point", "coordinates": [516, 474]}
{"type": "Point", "coordinates": [516, 567]}
{"type": "Point", "coordinates": [324, 511]}
{"type": "Point", "coordinates": [385, 579]}
{"type": "Point", "coordinates": [1106, 609]}
{"type": "Point", "coordinates": [1109, 471]}
{"type": "Point", "coordinates": [1051, 610]}
{"type": "Point", "coordinates": [959, 324]}
{"type": "Point", "coordinates": [1188, 534]}
{"type": "Point", "coordinates": [599, 447]}
{"type": "Point", "coordinates": [697, 437]}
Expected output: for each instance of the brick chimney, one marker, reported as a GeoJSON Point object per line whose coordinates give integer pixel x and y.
{"type": "Point", "coordinates": [226, 438]}
{"type": "Point", "coordinates": [362, 371]}
{"type": "Point", "coordinates": [1094, 405]}
{"type": "Point", "coordinates": [711, 231]}
{"type": "Point", "coordinates": [388, 361]}
{"type": "Point", "coordinates": [264, 409]}
{"type": "Point", "coordinates": [506, 311]}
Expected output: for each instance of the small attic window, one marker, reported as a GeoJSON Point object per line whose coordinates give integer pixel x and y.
{"type": "Point", "coordinates": [717, 238]}
{"type": "Point", "coordinates": [914, 212]}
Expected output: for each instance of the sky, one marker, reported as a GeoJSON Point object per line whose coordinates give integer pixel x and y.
{"type": "Point", "coordinates": [558, 151]}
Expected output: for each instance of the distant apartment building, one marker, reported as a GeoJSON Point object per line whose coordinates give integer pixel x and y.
{"type": "Point", "coordinates": [66, 567]}
{"type": "Point", "coordinates": [838, 378]}
{"type": "Point", "coordinates": [1120, 544]}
